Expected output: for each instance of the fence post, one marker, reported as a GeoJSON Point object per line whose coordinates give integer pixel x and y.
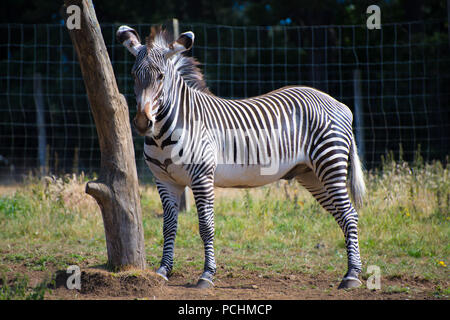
{"type": "Point", "coordinates": [185, 201]}
{"type": "Point", "coordinates": [359, 118]}
{"type": "Point", "coordinates": [116, 190]}
{"type": "Point", "coordinates": [40, 123]}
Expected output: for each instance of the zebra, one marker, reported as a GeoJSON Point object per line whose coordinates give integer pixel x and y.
{"type": "Point", "coordinates": [197, 139]}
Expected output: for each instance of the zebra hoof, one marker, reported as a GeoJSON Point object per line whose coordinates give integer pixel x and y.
{"type": "Point", "coordinates": [204, 284]}
{"type": "Point", "coordinates": [205, 281]}
{"type": "Point", "coordinates": [162, 272]}
{"type": "Point", "coordinates": [348, 283]}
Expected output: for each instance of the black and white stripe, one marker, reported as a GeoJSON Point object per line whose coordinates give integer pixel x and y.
{"type": "Point", "coordinates": [306, 132]}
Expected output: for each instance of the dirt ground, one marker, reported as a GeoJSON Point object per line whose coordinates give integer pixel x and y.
{"type": "Point", "coordinates": [99, 284]}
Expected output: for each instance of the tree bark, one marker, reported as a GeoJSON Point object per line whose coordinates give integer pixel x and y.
{"type": "Point", "coordinates": [116, 190]}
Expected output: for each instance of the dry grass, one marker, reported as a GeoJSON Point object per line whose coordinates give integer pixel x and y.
{"type": "Point", "coordinates": [279, 228]}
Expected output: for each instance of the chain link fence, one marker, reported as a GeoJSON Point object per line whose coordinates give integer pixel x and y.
{"type": "Point", "coordinates": [396, 81]}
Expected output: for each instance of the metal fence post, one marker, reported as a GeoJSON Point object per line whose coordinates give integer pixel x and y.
{"type": "Point", "coordinates": [359, 118]}
{"type": "Point", "coordinates": [40, 123]}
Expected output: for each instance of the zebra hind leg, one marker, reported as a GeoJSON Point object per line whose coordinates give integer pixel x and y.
{"type": "Point", "coordinates": [347, 218]}
{"type": "Point", "coordinates": [335, 200]}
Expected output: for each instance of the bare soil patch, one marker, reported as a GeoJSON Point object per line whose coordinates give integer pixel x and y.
{"type": "Point", "coordinates": [99, 284]}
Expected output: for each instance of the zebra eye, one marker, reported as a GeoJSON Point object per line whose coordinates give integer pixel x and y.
{"type": "Point", "coordinates": [160, 76]}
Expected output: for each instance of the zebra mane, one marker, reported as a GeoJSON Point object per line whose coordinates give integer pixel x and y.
{"type": "Point", "coordinates": [187, 67]}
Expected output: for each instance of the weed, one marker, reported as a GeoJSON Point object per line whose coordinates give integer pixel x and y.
{"type": "Point", "coordinates": [396, 289]}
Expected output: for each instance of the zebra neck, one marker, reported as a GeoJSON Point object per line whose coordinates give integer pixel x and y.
{"type": "Point", "coordinates": [172, 111]}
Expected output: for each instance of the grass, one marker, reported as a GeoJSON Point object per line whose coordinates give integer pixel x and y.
{"type": "Point", "coordinates": [276, 229]}
{"type": "Point", "coordinates": [20, 289]}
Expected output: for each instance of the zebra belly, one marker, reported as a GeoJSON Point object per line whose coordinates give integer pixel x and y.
{"type": "Point", "coordinates": [248, 176]}
{"type": "Point", "coordinates": [172, 174]}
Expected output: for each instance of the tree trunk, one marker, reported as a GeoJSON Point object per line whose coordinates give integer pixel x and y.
{"type": "Point", "coordinates": [116, 190]}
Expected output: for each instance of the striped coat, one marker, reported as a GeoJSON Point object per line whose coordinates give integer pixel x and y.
{"type": "Point", "coordinates": [194, 138]}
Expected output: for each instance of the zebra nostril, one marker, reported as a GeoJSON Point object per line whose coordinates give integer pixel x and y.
{"type": "Point", "coordinates": [149, 124]}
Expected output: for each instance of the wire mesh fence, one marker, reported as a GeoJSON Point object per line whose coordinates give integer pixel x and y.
{"type": "Point", "coordinates": [397, 76]}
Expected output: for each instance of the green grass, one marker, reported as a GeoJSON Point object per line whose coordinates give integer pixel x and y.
{"type": "Point", "coordinates": [276, 229]}
{"type": "Point", "coordinates": [20, 289]}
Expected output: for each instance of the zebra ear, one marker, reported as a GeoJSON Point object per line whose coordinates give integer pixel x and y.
{"type": "Point", "coordinates": [129, 38]}
{"type": "Point", "coordinates": [183, 43]}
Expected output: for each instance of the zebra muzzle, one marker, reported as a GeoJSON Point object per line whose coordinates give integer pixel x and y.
{"type": "Point", "coordinates": [142, 124]}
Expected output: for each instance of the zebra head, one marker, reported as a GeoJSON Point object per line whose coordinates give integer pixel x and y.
{"type": "Point", "coordinates": [150, 70]}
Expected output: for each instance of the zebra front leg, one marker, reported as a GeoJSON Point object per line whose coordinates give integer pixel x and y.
{"type": "Point", "coordinates": [204, 200]}
{"type": "Point", "coordinates": [170, 198]}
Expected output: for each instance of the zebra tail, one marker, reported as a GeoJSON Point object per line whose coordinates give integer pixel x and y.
{"type": "Point", "coordinates": [357, 184]}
